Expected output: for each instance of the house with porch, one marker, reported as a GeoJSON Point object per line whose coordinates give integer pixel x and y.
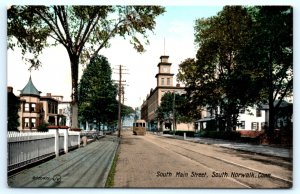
{"type": "Point", "coordinates": [36, 109]}
{"type": "Point", "coordinates": [255, 118]}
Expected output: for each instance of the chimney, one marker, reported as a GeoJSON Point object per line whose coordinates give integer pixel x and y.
{"type": "Point", "coordinates": [9, 89]}
{"type": "Point", "coordinates": [48, 94]}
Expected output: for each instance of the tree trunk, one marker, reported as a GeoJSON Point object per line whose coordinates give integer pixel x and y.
{"type": "Point", "coordinates": [271, 116]}
{"type": "Point", "coordinates": [271, 102]}
{"type": "Point", "coordinates": [74, 115]}
{"type": "Point", "coordinates": [74, 73]}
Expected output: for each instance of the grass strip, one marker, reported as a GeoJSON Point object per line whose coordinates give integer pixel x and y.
{"type": "Point", "coordinates": [110, 179]}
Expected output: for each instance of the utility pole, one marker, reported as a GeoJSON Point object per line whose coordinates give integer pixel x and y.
{"type": "Point", "coordinates": [174, 120]}
{"type": "Point", "coordinates": [120, 92]}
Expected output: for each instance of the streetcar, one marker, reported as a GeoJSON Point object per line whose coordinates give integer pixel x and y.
{"type": "Point", "coordinates": [139, 127]}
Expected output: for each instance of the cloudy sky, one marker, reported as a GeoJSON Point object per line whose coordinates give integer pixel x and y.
{"type": "Point", "coordinates": [173, 36]}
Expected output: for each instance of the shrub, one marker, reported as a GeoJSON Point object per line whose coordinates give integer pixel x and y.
{"type": "Point", "coordinates": [228, 135]}
{"type": "Point", "coordinates": [43, 127]}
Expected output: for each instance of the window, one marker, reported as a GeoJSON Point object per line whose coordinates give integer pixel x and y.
{"type": "Point", "coordinates": [258, 113]}
{"type": "Point", "coordinates": [29, 107]}
{"type": "Point", "coordinates": [162, 81]}
{"type": "Point", "coordinates": [168, 81]}
{"type": "Point", "coordinates": [26, 122]}
{"type": "Point", "coordinates": [242, 124]}
{"type": "Point", "coordinates": [33, 121]}
{"type": "Point", "coordinates": [29, 123]}
{"type": "Point", "coordinates": [32, 107]}
{"type": "Point", "coordinates": [55, 108]}
{"type": "Point", "coordinates": [52, 107]}
{"type": "Point", "coordinates": [26, 108]}
{"type": "Point", "coordinates": [254, 125]}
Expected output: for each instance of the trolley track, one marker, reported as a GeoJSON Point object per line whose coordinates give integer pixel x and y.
{"type": "Point", "coordinates": [246, 176]}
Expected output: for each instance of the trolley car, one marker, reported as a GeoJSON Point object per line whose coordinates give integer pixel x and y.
{"type": "Point", "coordinates": [139, 127]}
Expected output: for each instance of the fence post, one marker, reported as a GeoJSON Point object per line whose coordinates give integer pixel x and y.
{"type": "Point", "coordinates": [56, 139]}
{"type": "Point", "coordinates": [79, 139]}
{"type": "Point", "coordinates": [184, 136]}
{"type": "Point", "coordinates": [66, 139]}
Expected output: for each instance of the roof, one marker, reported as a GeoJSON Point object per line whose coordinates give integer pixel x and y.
{"type": "Point", "coordinates": [30, 89]}
{"type": "Point", "coordinates": [282, 105]}
{"type": "Point", "coordinates": [206, 119]}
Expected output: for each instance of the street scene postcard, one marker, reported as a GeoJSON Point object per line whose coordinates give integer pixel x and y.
{"type": "Point", "coordinates": [150, 96]}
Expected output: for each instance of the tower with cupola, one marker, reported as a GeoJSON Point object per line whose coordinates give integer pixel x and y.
{"type": "Point", "coordinates": [164, 76]}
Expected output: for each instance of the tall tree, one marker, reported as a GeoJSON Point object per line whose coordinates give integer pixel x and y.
{"type": "Point", "coordinates": [13, 105]}
{"type": "Point", "coordinates": [270, 54]}
{"type": "Point", "coordinates": [214, 78]}
{"type": "Point", "coordinates": [97, 93]}
{"type": "Point", "coordinates": [126, 110]}
{"type": "Point", "coordinates": [172, 103]}
{"type": "Point", "coordinates": [82, 30]}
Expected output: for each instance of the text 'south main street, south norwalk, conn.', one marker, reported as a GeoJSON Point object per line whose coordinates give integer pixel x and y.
{"type": "Point", "coordinates": [214, 174]}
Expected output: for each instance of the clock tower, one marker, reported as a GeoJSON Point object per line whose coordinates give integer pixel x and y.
{"type": "Point", "coordinates": [164, 76]}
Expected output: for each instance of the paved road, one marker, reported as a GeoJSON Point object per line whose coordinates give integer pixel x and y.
{"type": "Point", "coordinates": [156, 161]}
{"type": "Point", "coordinates": [85, 167]}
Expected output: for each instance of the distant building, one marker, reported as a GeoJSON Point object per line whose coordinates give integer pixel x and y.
{"type": "Point", "coordinates": [36, 109]}
{"type": "Point", "coordinates": [164, 85]}
{"type": "Point", "coordinates": [255, 118]}
{"type": "Point", "coordinates": [128, 120]}
{"type": "Point", "coordinates": [64, 108]}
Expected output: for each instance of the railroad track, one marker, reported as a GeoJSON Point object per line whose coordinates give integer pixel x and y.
{"type": "Point", "coordinates": [246, 176]}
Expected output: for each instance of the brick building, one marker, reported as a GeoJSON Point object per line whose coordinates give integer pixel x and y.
{"type": "Point", "coordinates": [164, 85]}
{"type": "Point", "coordinates": [36, 109]}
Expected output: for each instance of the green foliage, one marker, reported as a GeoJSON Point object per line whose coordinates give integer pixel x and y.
{"type": "Point", "coordinates": [43, 127]}
{"type": "Point", "coordinates": [111, 175]}
{"type": "Point", "coordinates": [165, 111]}
{"type": "Point", "coordinates": [13, 105]}
{"type": "Point", "coordinates": [214, 79]}
{"type": "Point", "coordinates": [270, 54]}
{"type": "Point", "coordinates": [126, 110]}
{"type": "Point", "coordinates": [82, 30]}
{"type": "Point", "coordinates": [97, 93]}
{"type": "Point", "coordinates": [244, 56]}
{"type": "Point", "coordinates": [228, 135]}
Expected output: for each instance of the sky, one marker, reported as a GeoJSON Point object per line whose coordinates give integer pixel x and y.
{"type": "Point", "coordinates": [172, 36]}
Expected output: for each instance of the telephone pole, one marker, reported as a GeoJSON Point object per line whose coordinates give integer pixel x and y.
{"type": "Point", "coordinates": [120, 92]}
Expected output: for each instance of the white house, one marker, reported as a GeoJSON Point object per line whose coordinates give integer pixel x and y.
{"type": "Point", "coordinates": [252, 118]}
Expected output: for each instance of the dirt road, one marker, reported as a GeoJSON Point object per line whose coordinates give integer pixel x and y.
{"type": "Point", "coordinates": [153, 161]}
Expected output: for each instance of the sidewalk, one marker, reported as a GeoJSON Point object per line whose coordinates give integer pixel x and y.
{"type": "Point", "coordinates": [259, 149]}
{"type": "Point", "coordinates": [84, 167]}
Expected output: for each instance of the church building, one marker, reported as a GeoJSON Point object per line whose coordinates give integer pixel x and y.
{"type": "Point", "coordinates": [164, 85]}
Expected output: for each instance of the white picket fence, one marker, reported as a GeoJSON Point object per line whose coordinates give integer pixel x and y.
{"type": "Point", "coordinates": [28, 147]}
